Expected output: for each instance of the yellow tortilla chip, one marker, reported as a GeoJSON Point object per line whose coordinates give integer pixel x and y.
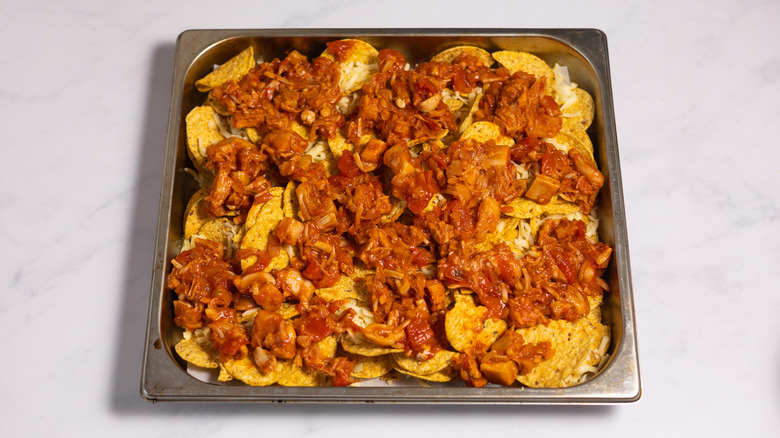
{"type": "Point", "coordinates": [300, 129]}
{"type": "Point", "coordinates": [197, 354]}
{"type": "Point", "coordinates": [219, 230]}
{"type": "Point", "coordinates": [444, 375]}
{"type": "Point", "coordinates": [526, 62]}
{"type": "Point", "coordinates": [559, 206]}
{"type": "Point", "coordinates": [578, 140]}
{"type": "Point", "coordinates": [525, 208]}
{"type": "Point", "coordinates": [363, 347]}
{"type": "Point", "coordinates": [288, 310]}
{"type": "Point", "coordinates": [563, 141]}
{"type": "Point", "coordinates": [202, 132]}
{"type": "Point", "coordinates": [506, 231]}
{"type": "Point", "coordinates": [257, 236]}
{"type": "Point", "coordinates": [441, 360]}
{"type": "Point", "coordinates": [327, 347]}
{"type": "Point", "coordinates": [194, 214]}
{"type": "Point", "coordinates": [450, 54]}
{"type": "Point", "coordinates": [399, 206]}
{"type": "Point", "coordinates": [434, 145]}
{"type": "Point", "coordinates": [217, 105]}
{"type": "Point", "coordinates": [585, 144]}
{"type": "Point", "coordinates": [224, 376]}
{"type": "Point", "coordinates": [578, 115]}
{"type": "Point", "coordinates": [338, 144]}
{"type": "Point", "coordinates": [459, 105]}
{"type": "Point", "coordinates": [253, 135]}
{"type": "Point", "coordinates": [279, 262]}
{"type": "Point", "coordinates": [246, 371]}
{"type": "Point", "coordinates": [232, 70]}
{"type": "Point", "coordinates": [469, 119]}
{"type": "Point", "coordinates": [359, 51]}
{"type": "Point", "coordinates": [579, 346]}
{"type": "Point", "coordinates": [484, 131]}
{"type": "Point", "coordinates": [269, 210]}
{"type": "Point", "coordinates": [348, 286]}
{"type": "Point", "coordinates": [369, 367]}
{"type": "Point", "coordinates": [443, 133]}
{"type": "Point", "coordinates": [437, 200]}
{"type": "Point", "coordinates": [453, 104]}
{"type": "Point", "coordinates": [294, 375]}
{"type": "Point", "coordinates": [289, 201]}
{"type": "Point", "coordinates": [466, 324]}
{"type": "Point", "coordinates": [357, 66]}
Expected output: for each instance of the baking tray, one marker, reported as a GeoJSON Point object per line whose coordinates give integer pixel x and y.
{"type": "Point", "coordinates": [583, 51]}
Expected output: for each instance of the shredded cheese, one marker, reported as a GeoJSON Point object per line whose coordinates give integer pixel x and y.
{"type": "Point", "coordinates": [226, 128]}
{"type": "Point", "coordinates": [521, 170]}
{"type": "Point", "coordinates": [319, 151]}
{"type": "Point", "coordinates": [564, 88]}
{"type": "Point", "coordinates": [356, 73]}
{"type": "Point", "coordinates": [559, 146]}
{"type": "Point", "coordinates": [525, 236]}
{"type": "Point", "coordinates": [362, 316]}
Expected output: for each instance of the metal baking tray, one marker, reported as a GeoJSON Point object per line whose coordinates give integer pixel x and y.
{"type": "Point", "coordinates": [583, 51]}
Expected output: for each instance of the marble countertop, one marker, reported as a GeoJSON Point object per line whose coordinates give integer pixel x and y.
{"type": "Point", "coordinates": [84, 94]}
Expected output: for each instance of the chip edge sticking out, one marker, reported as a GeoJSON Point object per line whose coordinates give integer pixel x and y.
{"type": "Point", "coordinates": [232, 70]}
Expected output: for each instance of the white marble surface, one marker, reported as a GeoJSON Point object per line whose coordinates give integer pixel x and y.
{"type": "Point", "coordinates": [84, 94]}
